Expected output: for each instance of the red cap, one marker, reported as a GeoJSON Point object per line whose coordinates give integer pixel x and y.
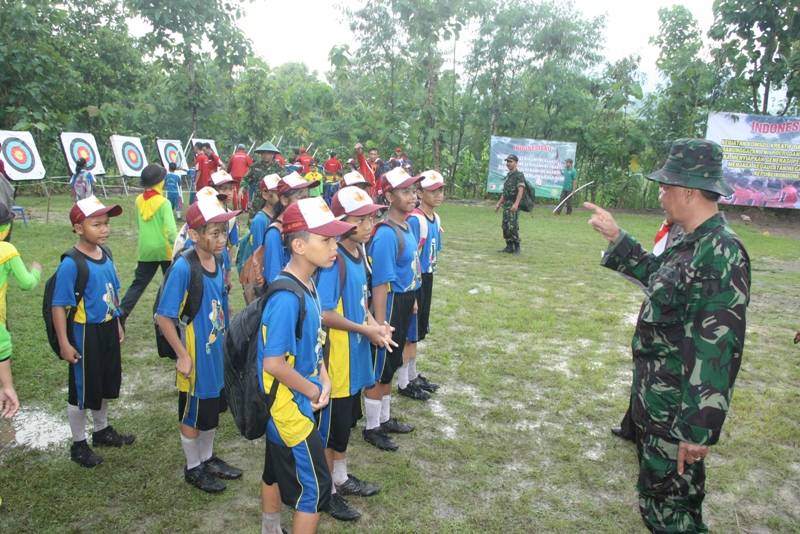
{"type": "Point", "coordinates": [313, 215]}
{"type": "Point", "coordinates": [353, 200]}
{"type": "Point", "coordinates": [398, 178]}
{"type": "Point", "coordinates": [91, 207]}
{"type": "Point", "coordinates": [208, 208]}
{"type": "Point", "coordinates": [294, 182]}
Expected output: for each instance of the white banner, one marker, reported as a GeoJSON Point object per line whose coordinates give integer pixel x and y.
{"type": "Point", "coordinates": [22, 160]}
{"type": "Point", "coordinates": [129, 154]}
{"type": "Point", "coordinates": [78, 145]}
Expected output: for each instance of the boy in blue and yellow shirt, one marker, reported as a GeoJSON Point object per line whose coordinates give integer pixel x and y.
{"type": "Point", "coordinates": [199, 376]}
{"type": "Point", "coordinates": [90, 343]}
{"type": "Point", "coordinates": [344, 296]}
{"type": "Point", "coordinates": [295, 470]}
{"type": "Point", "coordinates": [427, 228]}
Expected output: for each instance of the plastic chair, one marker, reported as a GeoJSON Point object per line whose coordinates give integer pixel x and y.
{"type": "Point", "coordinates": [20, 212]}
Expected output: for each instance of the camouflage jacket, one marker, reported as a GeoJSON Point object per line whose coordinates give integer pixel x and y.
{"type": "Point", "coordinates": [260, 169]}
{"type": "Point", "coordinates": [511, 185]}
{"type": "Point", "coordinates": [687, 347]}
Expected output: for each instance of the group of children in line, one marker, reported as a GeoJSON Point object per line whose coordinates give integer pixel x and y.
{"type": "Point", "coordinates": [366, 275]}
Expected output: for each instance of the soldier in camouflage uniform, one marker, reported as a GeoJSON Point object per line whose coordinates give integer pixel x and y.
{"type": "Point", "coordinates": [687, 347]}
{"type": "Point", "coordinates": [259, 169]}
{"type": "Point", "coordinates": [513, 190]}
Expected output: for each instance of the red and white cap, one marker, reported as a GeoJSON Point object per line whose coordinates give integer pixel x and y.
{"type": "Point", "coordinates": [295, 182]}
{"type": "Point", "coordinates": [221, 177]}
{"type": "Point", "coordinates": [398, 178]}
{"type": "Point", "coordinates": [270, 182]}
{"type": "Point", "coordinates": [354, 201]}
{"type": "Point", "coordinates": [313, 215]}
{"type": "Point", "coordinates": [91, 207]}
{"type": "Point", "coordinates": [208, 208]}
{"type": "Point", "coordinates": [354, 178]}
{"type": "Point", "coordinates": [431, 180]}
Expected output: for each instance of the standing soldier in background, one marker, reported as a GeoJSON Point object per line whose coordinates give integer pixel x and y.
{"type": "Point", "coordinates": [258, 170]}
{"type": "Point", "coordinates": [513, 190]}
{"type": "Point", "coordinates": [238, 166]}
{"type": "Point", "coordinates": [569, 173]}
{"type": "Point", "coordinates": [689, 337]}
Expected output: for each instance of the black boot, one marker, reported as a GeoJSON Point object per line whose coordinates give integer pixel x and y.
{"type": "Point", "coordinates": [509, 247]}
{"type": "Point", "coordinates": [515, 249]}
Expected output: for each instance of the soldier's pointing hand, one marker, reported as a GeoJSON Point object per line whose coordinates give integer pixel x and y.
{"type": "Point", "coordinates": [602, 222]}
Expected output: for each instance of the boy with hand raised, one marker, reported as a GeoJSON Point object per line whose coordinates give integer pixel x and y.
{"type": "Point", "coordinates": [343, 293]}
{"type": "Point", "coordinates": [295, 470]}
{"type": "Point", "coordinates": [92, 344]}
{"type": "Point", "coordinates": [199, 375]}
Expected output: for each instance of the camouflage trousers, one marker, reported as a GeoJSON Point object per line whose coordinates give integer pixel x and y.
{"type": "Point", "coordinates": [510, 225]}
{"type": "Point", "coordinates": [669, 502]}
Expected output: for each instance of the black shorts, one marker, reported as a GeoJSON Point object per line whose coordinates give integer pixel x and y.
{"type": "Point", "coordinates": [424, 295]}
{"type": "Point", "coordinates": [399, 311]}
{"type": "Point", "coordinates": [301, 473]}
{"type": "Point", "coordinates": [337, 419]}
{"type": "Point", "coordinates": [98, 374]}
{"type": "Point", "coordinates": [202, 414]}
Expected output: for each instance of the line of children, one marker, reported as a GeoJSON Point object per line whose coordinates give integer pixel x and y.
{"type": "Point", "coordinates": [199, 376]}
{"type": "Point", "coordinates": [90, 341]}
{"type": "Point", "coordinates": [295, 468]}
{"type": "Point", "coordinates": [157, 232]}
{"type": "Point", "coordinates": [395, 279]}
{"type": "Point", "coordinates": [344, 295]}
{"type": "Point", "coordinates": [426, 226]}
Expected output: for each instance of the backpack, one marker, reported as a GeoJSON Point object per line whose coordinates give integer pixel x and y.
{"type": "Point", "coordinates": [244, 252]}
{"type": "Point", "coordinates": [80, 287]}
{"type": "Point", "coordinates": [190, 308]}
{"type": "Point", "coordinates": [528, 198]}
{"type": "Point", "coordinates": [398, 233]}
{"type": "Point", "coordinates": [252, 274]}
{"type": "Point", "coordinates": [249, 405]}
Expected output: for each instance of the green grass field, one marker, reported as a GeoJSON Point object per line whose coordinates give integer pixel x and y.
{"type": "Point", "coordinates": [533, 356]}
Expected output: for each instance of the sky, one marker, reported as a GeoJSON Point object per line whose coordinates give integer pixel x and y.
{"type": "Point", "coordinates": [309, 29]}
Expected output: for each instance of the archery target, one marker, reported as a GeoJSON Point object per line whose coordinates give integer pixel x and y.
{"type": "Point", "coordinates": [82, 145]}
{"type": "Point", "coordinates": [22, 161]}
{"type": "Point", "coordinates": [129, 154]}
{"type": "Point", "coordinates": [209, 141]}
{"type": "Point", "coordinates": [171, 151]}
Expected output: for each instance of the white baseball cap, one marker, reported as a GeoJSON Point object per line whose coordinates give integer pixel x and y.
{"type": "Point", "coordinates": [270, 182]}
{"type": "Point", "coordinates": [431, 180]}
{"type": "Point", "coordinates": [295, 182]}
{"type": "Point", "coordinates": [208, 208]}
{"type": "Point", "coordinates": [313, 215]}
{"type": "Point", "coordinates": [354, 201]}
{"type": "Point", "coordinates": [353, 178]}
{"type": "Point", "coordinates": [398, 178]}
{"type": "Point", "coordinates": [91, 207]}
{"type": "Point", "coordinates": [221, 177]}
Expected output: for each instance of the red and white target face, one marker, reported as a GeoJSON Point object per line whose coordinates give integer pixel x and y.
{"type": "Point", "coordinates": [132, 156]}
{"type": "Point", "coordinates": [18, 155]}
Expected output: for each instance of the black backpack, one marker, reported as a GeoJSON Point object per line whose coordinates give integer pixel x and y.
{"type": "Point", "coordinates": [194, 299]}
{"type": "Point", "coordinates": [528, 197]}
{"type": "Point", "coordinates": [249, 405]}
{"type": "Point", "coordinates": [80, 287]}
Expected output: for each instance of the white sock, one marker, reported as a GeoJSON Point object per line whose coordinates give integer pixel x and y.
{"type": "Point", "coordinates": [386, 402]}
{"type": "Point", "coordinates": [191, 451]}
{"type": "Point", "coordinates": [412, 369]}
{"type": "Point", "coordinates": [100, 417]}
{"type": "Point", "coordinates": [373, 409]}
{"type": "Point", "coordinates": [205, 444]}
{"type": "Point", "coordinates": [270, 523]}
{"type": "Point", "coordinates": [402, 377]}
{"type": "Point", "coordinates": [77, 422]}
{"type": "Point", "coordinates": [339, 472]}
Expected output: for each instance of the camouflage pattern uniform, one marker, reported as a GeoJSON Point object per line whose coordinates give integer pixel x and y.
{"type": "Point", "coordinates": [687, 346]}
{"type": "Point", "coordinates": [510, 226]}
{"type": "Point", "coordinates": [257, 171]}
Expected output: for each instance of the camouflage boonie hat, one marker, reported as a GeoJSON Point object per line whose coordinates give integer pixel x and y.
{"type": "Point", "coordinates": [694, 164]}
{"type": "Point", "coordinates": [267, 147]}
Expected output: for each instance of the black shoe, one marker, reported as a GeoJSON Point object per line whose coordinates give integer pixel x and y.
{"type": "Point", "coordinates": [396, 427]}
{"type": "Point", "coordinates": [425, 384]}
{"type": "Point", "coordinates": [355, 486]}
{"type": "Point", "coordinates": [202, 479]}
{"type": "Point", "coordinates": [340, 509]}
{"type": "Point", "coordinates": [108, 437]}
{"type": "Point", "coordinates": [219, 468]}
{"type": "Point", "coordinates": [515, 250]}
{"type": "Point", "coordinates": [509, 248]}
{"type": "Point", "coordinates": [627, 436]}
{"type": "Point", "coordinates": [81, 454]}
{"type": "Point", "coordinates": [413, 391]}
{"type": "Point", "coordinates": [377, 438]}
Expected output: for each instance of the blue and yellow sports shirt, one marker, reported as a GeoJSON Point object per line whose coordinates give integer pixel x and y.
{"type": "Point", "coordinates": [100, 302]}
{"type": "Point", "coordinates": [387, 268]}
